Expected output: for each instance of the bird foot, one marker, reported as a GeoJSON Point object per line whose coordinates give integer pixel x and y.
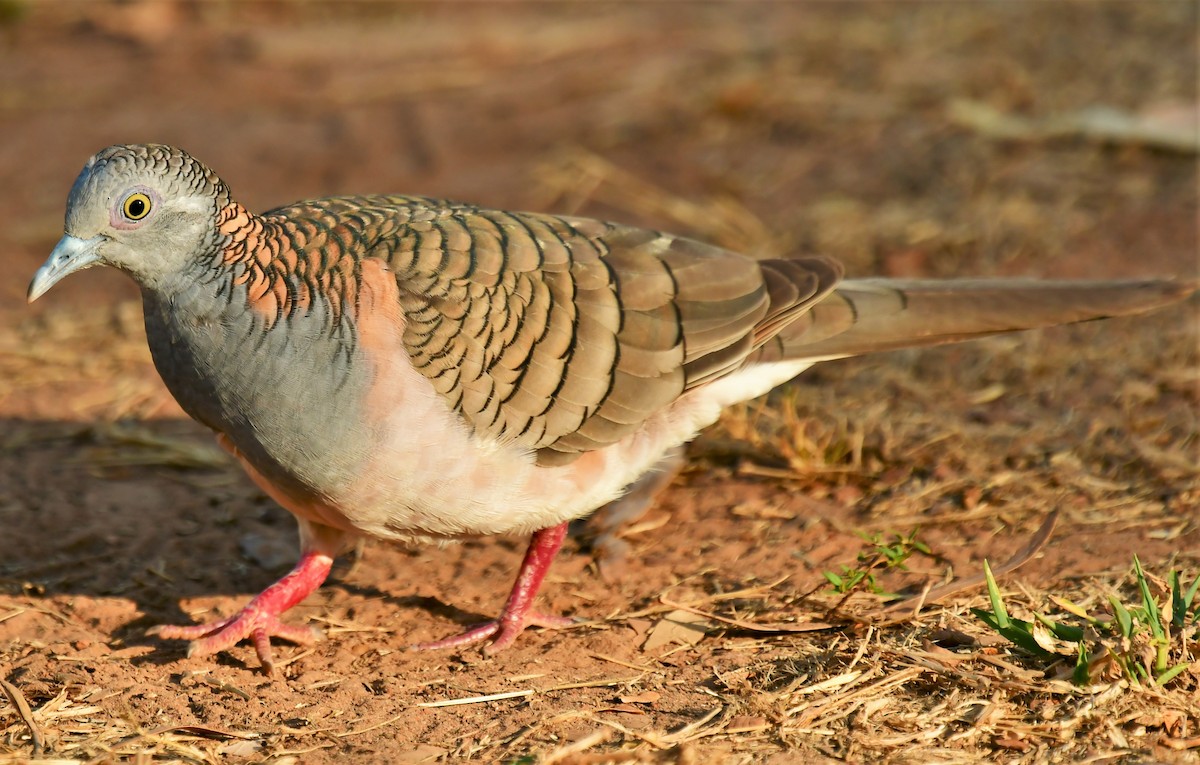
{"type": "Point", "coordinates": [518, 612]}
{"type": "Point", "coordinates": [259, 620]}
{"type": "Point", "coordinates": [251, 622]}
{"type": "Point", "coordinates": [504, 630]}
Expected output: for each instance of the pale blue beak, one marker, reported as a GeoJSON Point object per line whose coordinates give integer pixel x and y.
{"type": "Point", "coordinates": [71, 254]}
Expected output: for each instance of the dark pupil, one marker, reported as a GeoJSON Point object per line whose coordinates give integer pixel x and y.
{"type": "Point", "coordinates": [137, 208]}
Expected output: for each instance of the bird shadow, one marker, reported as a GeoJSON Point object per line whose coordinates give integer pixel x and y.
{"type": "Point", "coordinates": [148, 529]}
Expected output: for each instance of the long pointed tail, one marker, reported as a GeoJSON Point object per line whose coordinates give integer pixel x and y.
{"type": "Point", "coordinates": [865, 315]}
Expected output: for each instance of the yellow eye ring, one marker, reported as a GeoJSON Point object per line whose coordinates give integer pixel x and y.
{"type": "Point", "coordinates": [136, 206]}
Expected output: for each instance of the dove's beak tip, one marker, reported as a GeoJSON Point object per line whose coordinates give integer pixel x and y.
{"type": "Point", "coordinates": [71, 254]}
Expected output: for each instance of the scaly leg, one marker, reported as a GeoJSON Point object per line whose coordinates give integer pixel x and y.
{"type": "Point", "coordinates": [259, 619]}
{"type": "Point", "coordinates": [517, 613]}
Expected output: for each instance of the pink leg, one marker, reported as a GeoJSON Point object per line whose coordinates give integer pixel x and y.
{"type": "Point", "coordinates": [259, 620]}
{"type": "Point", "coordinates": [516, 615]}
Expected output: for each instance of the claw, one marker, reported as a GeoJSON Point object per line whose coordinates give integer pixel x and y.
{"type": "Point", "coordinates": [259, 620]}
{"type": "Point", "coordinates": [505, 633]}
{"type": "Point", "coordinates": [516, 615]}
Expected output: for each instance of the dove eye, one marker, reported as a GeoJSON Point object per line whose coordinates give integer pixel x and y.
{"type": "Point", "coordinates": [136, 206]}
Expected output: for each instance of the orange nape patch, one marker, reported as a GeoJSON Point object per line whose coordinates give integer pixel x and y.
{"type": "Point", "coordinates": [272, 259]}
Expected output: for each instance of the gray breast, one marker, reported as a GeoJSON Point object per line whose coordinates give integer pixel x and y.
{"type": "Point", "coordinates": [285, 392]}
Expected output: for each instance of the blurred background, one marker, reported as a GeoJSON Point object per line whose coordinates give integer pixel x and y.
{"type": "Point", "coordinates": [913, 139]}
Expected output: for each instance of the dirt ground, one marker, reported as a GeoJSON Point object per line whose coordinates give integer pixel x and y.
{"type": "Point", "coordinates": [766, 127]}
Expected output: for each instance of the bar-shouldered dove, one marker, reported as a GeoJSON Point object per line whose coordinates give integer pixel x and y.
{"type": "Point", "coordinates": [415, 369]}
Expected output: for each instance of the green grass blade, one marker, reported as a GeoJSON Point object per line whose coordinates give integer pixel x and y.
{"type": "Point", "coordinates": [1124, 618]}
{"type": "Point", "coordinates": [988, 618]}
{"type": "Point", "coordinates": [1083, 667]}
{"type": "Point", "coordinates": [1170, 674]}
{"type": "Point", "coordinates": [1178, 607]}
{"type": "Point", "coordinates": [1061, 631]}
{"type": "Point", "coordinates": [994, 596]}
{"type": "Point", "coordinates": [1153, 617]}
{"type": "Point", "coordinates": [1020, 635]}
{"type": "Point", "coordinates": [1190, 597]}
{"type": "Point", "coordinates": [1071, 607]}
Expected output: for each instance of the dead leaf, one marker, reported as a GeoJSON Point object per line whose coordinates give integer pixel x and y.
{"type": "Point", "coordinates": [645, 697]}
{"type": "Point", "coordinates": [639, 626]}
{"type": "Point", "coordinates": [1172, 721]}
{"type": "Point", "coordinates": [1012, 743]}
{"type": "Point", "coordinates": [1043, 637]}
{"type": "Point", "coordinates": [242, 748]}
{"type": "Point", "coordinates": [746, 724]}
{"type": "Point", "coordinates": [679, 626]}
{"type": "Point", "coordinates": [951, 638]}
{"type": "Point", "coordinates": [203, 732]}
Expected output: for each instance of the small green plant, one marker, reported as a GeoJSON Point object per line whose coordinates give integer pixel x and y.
{"type": "Point", "coordinates": [880, 555]}
{"type": "Point", "coordinates": [1140, 642]}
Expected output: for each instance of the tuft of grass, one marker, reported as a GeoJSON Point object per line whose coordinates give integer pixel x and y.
{"type": "Point", "coordinates": [880, 555]}
{"type": "Point", "coordinates": [1144, 642]}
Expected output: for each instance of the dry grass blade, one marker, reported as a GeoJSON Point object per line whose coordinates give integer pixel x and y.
{"type": "Point", "coordinates": [478, 699]}
{"type": "Point", "coordinates": [606, 682]}
{"type": "Point", "coordinates": [203, 731]}
{"type": "Point", "coordinates": [569, 752]}
{"type": "Point", "coordinates": [219, 685]}
{"type": "Point", "coordinates": [623, 663]}
{"type": "Point", "coordinates": [12, 613]}
{"type": "Point", "coordinates": [839, 704]}
{"type": "Point", "coordinates": [373, 726]}
{"type": "Point", "coordinates": [17, 699]}
{"type": "Point", "coordinates": [527, 692]}
{"type": "Point", "coordinates": [1158, 129]}
{"type": "Point", "coordinates": [741, 624]}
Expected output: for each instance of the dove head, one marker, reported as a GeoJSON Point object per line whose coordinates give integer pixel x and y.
{"type": "Point", "coordinates": [147, 209]}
